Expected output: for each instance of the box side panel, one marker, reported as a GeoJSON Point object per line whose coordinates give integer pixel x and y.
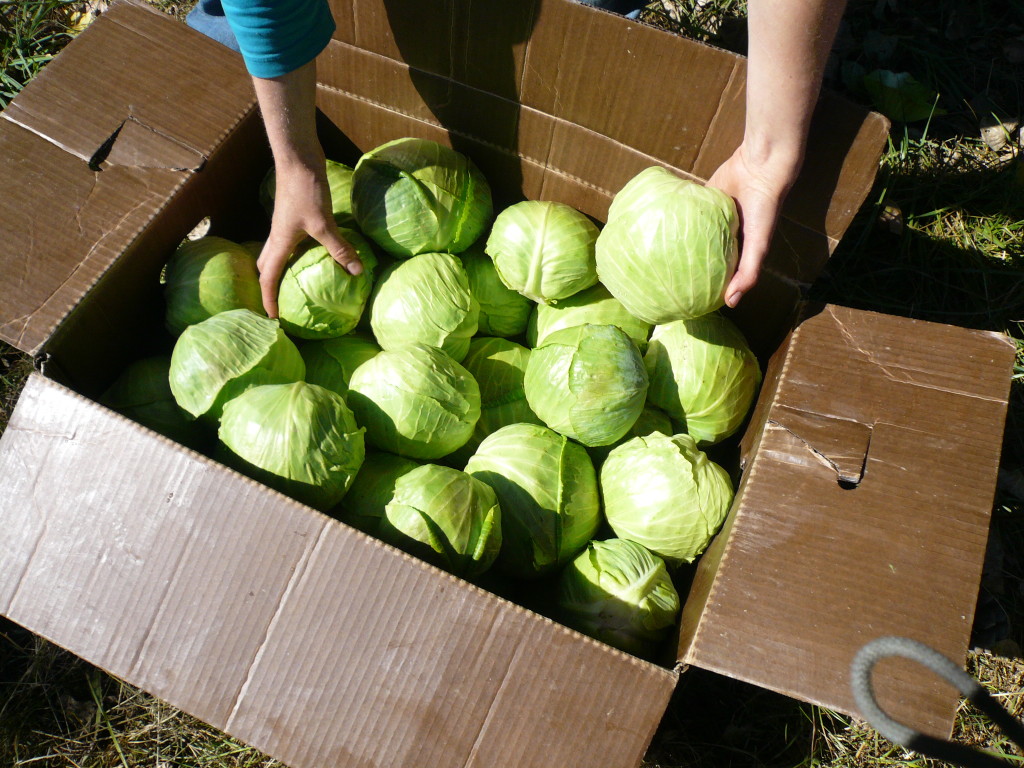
{"type": "Point", "coordinates": [287, 629]}
{"type": "Point", "coordinates": [862, 513]}
{"type": "Point", "coordinates": [145, 119]}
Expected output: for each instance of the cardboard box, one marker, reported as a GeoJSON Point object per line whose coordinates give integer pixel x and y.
{"type": "Point", "coordinates": [868, 467]}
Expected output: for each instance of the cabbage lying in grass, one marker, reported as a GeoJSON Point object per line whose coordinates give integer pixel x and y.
{"type": "Point", "coordinates": [503, 312]}
{"type": "Point", "coordinates": [664, 492]}
{"type": "Point", "coordinates": [587, 382]}
{"type": "Point", "coordinates": [416, 196]}
{"type": "Point", "coordinates": [318, 298]}
{"type": "Point", "coordinates": [621, 594]}
{"type": "Point", "coordinates": [298, 438]}
{"type": "Point", "coordinates": [207, 276]}
{"type": "Point", "coordinates": [445, 517]}
{"type": "Point", "coordinates": [703, 375]}
{"type": "Point", "coordinates": [415, 401]}
{"type": "Point", "coordinates": [547, 490]}
{"type": "Point", "coordinates": [221, 357]}
{"type": "Point", "coordinates": [669, 248]}
{"type": "Point", "coordinates": [596, 306]}
{"type": "Point", "coordinates": [331, 362]}
{"type": "Point", "coordinates": [543, 250]}
{"type": "Point", "coordinates": [425, 299]}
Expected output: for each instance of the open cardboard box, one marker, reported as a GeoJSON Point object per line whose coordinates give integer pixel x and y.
{"type": "Point", "coordinates": [868, 467]}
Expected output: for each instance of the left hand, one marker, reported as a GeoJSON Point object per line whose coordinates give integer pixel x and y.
{"type": "Point", "coordinates": [758, 190]}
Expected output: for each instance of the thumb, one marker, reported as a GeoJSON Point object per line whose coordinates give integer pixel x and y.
{"type": "Point", "coordinates": [271, 265]}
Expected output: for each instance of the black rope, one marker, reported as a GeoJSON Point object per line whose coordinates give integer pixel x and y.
{"type": "Point", "coordinates": [896, 732]}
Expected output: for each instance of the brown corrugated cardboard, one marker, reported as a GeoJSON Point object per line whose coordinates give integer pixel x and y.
{"type": "Point", "coordinates": [323, 647]}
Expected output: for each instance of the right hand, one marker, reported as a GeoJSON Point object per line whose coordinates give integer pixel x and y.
{"type": "Point", "coordinates": [302, 206]}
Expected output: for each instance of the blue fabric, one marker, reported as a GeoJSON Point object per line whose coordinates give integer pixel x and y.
{"type": "Point", "coordinates": [629, 8]}
{"type": "Point", "coordinates": [273, 36]}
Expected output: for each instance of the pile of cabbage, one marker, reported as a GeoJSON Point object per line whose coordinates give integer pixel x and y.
{"type": "Point", "coordinates": [521, 397]}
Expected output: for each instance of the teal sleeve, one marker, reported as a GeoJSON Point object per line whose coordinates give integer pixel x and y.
{"type": "Point", "coordinates": [278, 36]}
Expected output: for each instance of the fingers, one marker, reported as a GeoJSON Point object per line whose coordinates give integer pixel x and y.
{"type": "Point", "coordinates": [341, 250]}
{"type": "Point", "coordinates": [755, 246]}
{"type": "Point", "coordinates": [271, 264]}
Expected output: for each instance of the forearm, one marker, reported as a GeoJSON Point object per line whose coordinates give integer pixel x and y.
{"type": "Point", "coordinates": [789, 43]}
{"type": "Point", "coordinates": [288, 104]}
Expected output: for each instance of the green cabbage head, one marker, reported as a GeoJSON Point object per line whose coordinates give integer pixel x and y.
{"type": "Point", "coordinates": [298, 438]}
{"type": "Point", "coordinates": [417, 196]}
{"type": "Point", "coordinates": [544, 250]}
{"type": "Point", "coordinates": [547, 490]}
{"type": "Point", "coordinates": [664, 492]}
{"type": "Point", "coordinates": [208, 276]}
{"type": "Point", "coordinates": [594, 305]}
{"type": "Point", "coordinates": [415, 401]}
{"type": "Point", "coordinates": [621, 594]}
{"type": "Point", "coordinates": [703, 375]}
{"type": "Point", "coordinates": [221, 357]}
{"type": "Point", "coordinates": [425, 299]}
{"type": "Point", "coordinates": [587, 382]}
{"type": "Point", "coordinates": [669, 248]}
{"type": "Point", "coordinates": [503, 312]}
{"type": "Point", "coordinates": [446, 517]}
{"type": "Point", "coordinates": [331, 362]}
{"type": "Point", "coordinates": [318, 298]}
{"type": "Point", "coordinates": [372, 489]}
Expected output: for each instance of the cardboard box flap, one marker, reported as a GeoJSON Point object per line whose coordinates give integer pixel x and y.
{"type": "Point", "coordinates": [327, 649]}
{"type": "Point", "coordinates": [863, 511]}
{"type": "Point", "coordinates": [114, 126]}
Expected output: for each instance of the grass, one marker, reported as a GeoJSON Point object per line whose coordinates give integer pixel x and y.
{"type": "Point", "coordinates": [941, 238]}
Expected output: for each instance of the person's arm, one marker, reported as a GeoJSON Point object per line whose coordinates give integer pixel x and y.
{"type": "Point", "coordinates": [279, 40]}
{"type": "Point", "coordinates": [789, 43]}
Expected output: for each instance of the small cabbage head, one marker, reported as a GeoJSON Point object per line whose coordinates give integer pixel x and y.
{"type": "Point", "coordinates": [587, 382]}
{"type": "Point", "coordinates": [669, 248]}
{"type": "Point", "coordinates": [503, 312]}
{"type": "Point", "coordinates": [594, 305]}
{"type": "Point", "coordinates": [221, 357]}
{"type": "Point", "coordinates": [298, 438]}
{"type": "Point", "coordinates": [446, 517]}
{"type": "Point", "coordinates": [208, 276]}
{"type": "Point", "coordinates": [372, 489]}
{"type": "Point", "coordinates": [331, 362]}
{"type": "Point", "coordinates": [621, 594]}
{"type": "Point", "coordinates": [703, 375]}
{"type": "Point", "coordinates": [339, 179]}
{"type": "Point", "coordinates": [417, 196]}
{"type": "Point", "coordinates": [547, 490]}
{"type": "Point", "coordinates": [415, 401]}
{"type": "Point", "coordinates": [143, 393]}
{"type": "Point", "coordinates": [425, 299]}
{"type": "Point", "coordinates": [544, 250]}
{"type": "Point", "coordinates": [664, 492]}
{"type": "Point", "coordinates": [318, 298]}
{"type": "Point", "coordinates": [650, 420]}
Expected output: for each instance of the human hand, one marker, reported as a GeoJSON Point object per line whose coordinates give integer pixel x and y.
{"type": "Point", "coordinates": [302, 206]}
{"type": "Point", "coordinates": [758, 189]}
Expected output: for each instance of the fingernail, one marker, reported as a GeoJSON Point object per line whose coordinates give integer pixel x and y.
{"type": "Point", "coordinates": [355, 268]}
{"type": "Point", "coordinates": [734, 298]}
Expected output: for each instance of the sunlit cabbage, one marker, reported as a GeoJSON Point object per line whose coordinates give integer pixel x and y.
{"type": "Point", "coordinates": [415, 401]}
{"type": "Point", "coordinates": [544, 250]}
{"type": "Point", "coordinates": [221, 357]}
{"type": "Point", "coordinates": [417, 196]}
{"type": "Point", "coordinates": [318, 298]}
{"type": "Point", "coordinates": [207, 276]}
{"type": "Point", "coordinates": [669, 248]}
{"type": "Point", "coordinates": [621, 594]}
{"type": "Point", "coordinates": [664, 492]}
{"type": "Point", "coordinates": [503, 312]}
{"type": "Point", "coordinates": [339, 179]}
{"type": "Point", "coordinates": [650, 420]}
{"type": "Point", "coordinates": [596, 306]}
{"type": "Point", "coordinates": [547, 490]}
{"type": "Point", "coordinates": [499, 366]}
{"type": "Point", "coordinates": [298, 438]}
{"type": "Point", "coordinates": [425, 299]}
{"type": "Point", "coordinates": [446, 517]}
{"type": "Point", "coordinates": [703, 375]}
{"type": "Point", "coordinates": [331, 362]}
{"type": "Point", "coordinates": [587, 382]}
{"type": "Point", "coordinates": [372, 489]}
{"type": "Point", "coordinates": [143, 393]}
